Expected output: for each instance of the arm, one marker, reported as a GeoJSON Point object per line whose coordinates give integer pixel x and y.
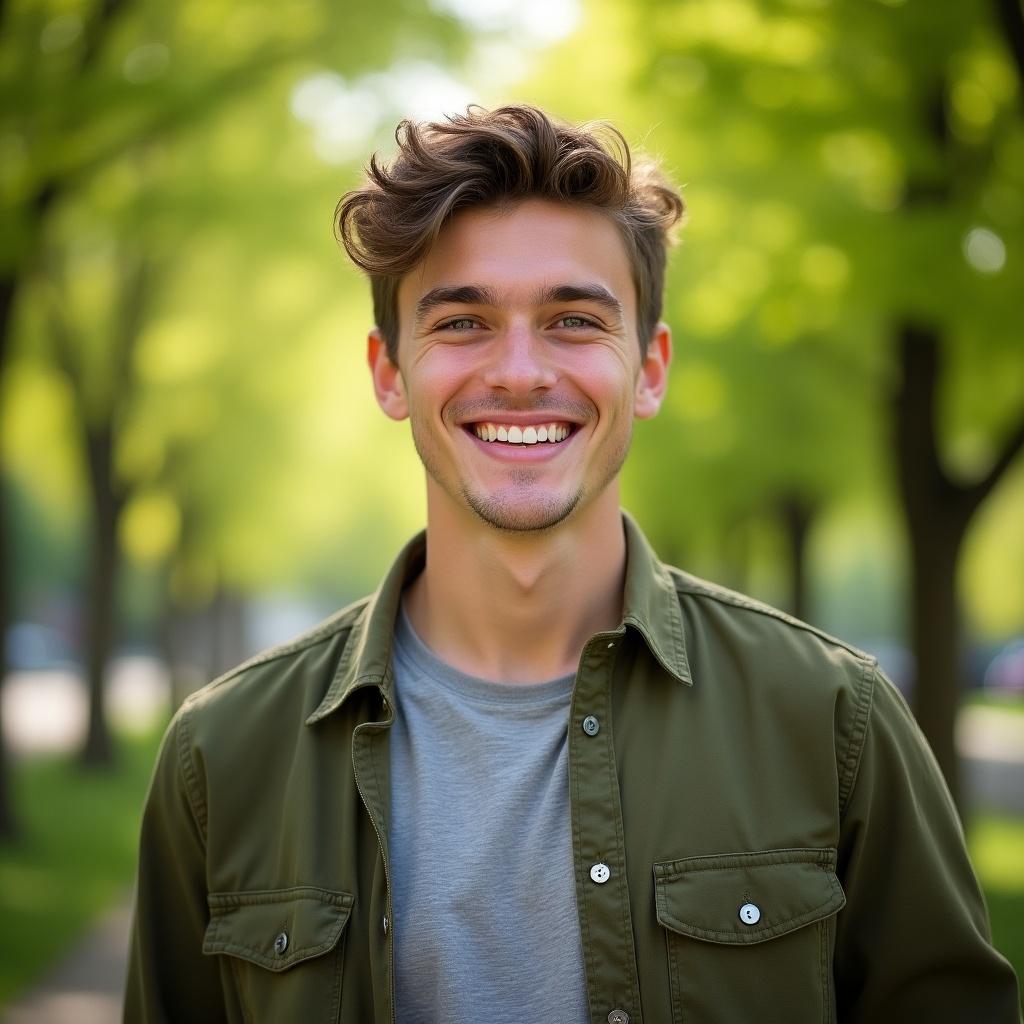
{"type": "Point", "coordinates": [913, 942]}
{"type": "Point", "coordinates": [169, 978]}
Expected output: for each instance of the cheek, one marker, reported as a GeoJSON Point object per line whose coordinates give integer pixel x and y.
{"type": "Point", "coordinates": [434, 382]}
{"type": "Point", "coordinates": [606, 379]}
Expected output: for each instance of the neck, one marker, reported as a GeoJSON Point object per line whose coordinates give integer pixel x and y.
{"type": "Point", "coordinates": [518, 607]}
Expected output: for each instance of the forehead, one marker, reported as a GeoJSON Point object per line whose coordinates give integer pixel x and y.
{"type": "Point", "coordinates": [518, 250]}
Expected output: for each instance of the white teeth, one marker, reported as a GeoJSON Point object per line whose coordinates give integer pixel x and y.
{"type": "Point", "coordinates": [552, 433]}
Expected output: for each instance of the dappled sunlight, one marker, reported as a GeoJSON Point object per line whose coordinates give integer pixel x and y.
{"type": "Point", "coordinates": [187, 348]}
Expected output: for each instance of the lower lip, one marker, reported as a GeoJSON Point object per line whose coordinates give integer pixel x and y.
{"type": "Point", "coordinates": [539, 452]}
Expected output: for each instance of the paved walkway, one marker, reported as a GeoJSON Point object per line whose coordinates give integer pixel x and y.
{"type": "Point", "coordinates": [86, 986]}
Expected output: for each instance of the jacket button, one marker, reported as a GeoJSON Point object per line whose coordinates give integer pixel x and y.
{"type": "Point", "coordinates": [600, 873]}
{"type": "Point", "coordinates": [591, 726]}
{"type": "Point", "coordinates": [749, 914]}
{"type": "Point", "coordinates": [618, 1017]}
{"type": "Point", "coordinates": [281, 943]}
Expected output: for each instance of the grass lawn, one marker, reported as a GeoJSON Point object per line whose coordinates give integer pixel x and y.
{"type": "Point", "coordinates": [997, 849]}
{"type": "Point", "coordinates": [1011, 703]}
{"type": "Point", "coordinates": [76, 856]}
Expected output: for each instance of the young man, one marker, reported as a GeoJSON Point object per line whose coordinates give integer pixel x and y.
{"type": "Point", "coordinates": [539, 775]}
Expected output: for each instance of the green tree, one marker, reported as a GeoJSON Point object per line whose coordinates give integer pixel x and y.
{"type": "Point", "coordinates": [855, 180]}
{"type": "Point", "coordinates": [87, 87]}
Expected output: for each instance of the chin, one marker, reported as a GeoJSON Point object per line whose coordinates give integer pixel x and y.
{"type": "Point", "coordinates": [514, 514]}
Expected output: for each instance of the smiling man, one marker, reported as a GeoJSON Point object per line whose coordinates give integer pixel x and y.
{"type": "Point", "coordinates": [539, 775]}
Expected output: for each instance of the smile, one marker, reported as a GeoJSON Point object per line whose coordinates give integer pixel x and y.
{"type": "Point", "coordinates": [510, 433]}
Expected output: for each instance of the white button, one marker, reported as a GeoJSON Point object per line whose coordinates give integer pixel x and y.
{"type": "Point", "coordinates": [591, 726]}
{"type": "Point", "coordinates": [618, 1017]}
{"type": "Point", "coordinates": [749, 914]}
{"type": "Point", "coordinates": [600, 873]}
{"type": "Point", "coordinates": [385, 926]}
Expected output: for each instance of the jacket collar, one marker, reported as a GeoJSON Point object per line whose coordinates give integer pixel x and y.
{"type": "Point", "coordinates": [650, 605]}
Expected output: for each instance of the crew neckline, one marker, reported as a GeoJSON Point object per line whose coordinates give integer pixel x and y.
{"type": "Point", "coordinates": [414, 652]}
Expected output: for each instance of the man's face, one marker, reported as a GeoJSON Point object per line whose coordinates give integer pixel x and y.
{"type": "Point", "coordinates": [518, 362]}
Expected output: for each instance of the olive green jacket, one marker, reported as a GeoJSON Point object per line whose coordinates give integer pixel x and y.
{"type": "Point", "coordinates": [778, 843]}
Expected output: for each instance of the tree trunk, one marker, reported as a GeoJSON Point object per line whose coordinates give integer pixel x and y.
{"type": "Point", "coordinates": [936, 638]}
{"type": "Point", "coordinates": [936, 519]}
{"type": "Point", "coordinates": [226, 616]}
{"type": "Point", "coordinates": [8, 819]}
{"type": "Point", "coordinates": [98, 750]}
{"type": "Point", "coordinates": [797, 516]}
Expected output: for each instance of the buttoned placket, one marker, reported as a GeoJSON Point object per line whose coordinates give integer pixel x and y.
{"type": "Point", "coordinates": [602, 895]}
{"type": "Point", "coordinates": [372, 778]}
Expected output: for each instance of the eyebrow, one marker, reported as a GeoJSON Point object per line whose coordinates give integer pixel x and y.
{"type": "Point", "coordinates": [480, 295]}
{"type": "Point", "coordinates": [461, 295]}
{"type": "Point", "coordinates": [582, 293]}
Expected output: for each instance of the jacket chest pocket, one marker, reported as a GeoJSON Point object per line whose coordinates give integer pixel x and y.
{"type": "Point", "coordinates": [749, 936]}
{"type": "Point", "coordinates": [284, 950]}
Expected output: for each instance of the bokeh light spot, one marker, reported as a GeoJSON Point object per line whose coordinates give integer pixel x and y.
{"type": "Point", "coordinates": [984, 250]}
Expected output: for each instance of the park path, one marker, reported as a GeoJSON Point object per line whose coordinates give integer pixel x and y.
{"type": "Point", "coordinates": [86, 986]}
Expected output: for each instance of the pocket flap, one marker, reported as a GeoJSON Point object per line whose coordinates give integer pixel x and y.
{"type": "Point", "coordinates": [778, 891]}
{"type": "Point", "coordinates": [276, 928]}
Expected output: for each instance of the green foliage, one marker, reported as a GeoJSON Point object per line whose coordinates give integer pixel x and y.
{"type": "Point", "coordinates": [162, 136]}
{"type": "Point", "coordinates": [77, 858]}
{"type": "Point", "coordinates": [845, 166]}
{"type": "Point", "coordinates": [800, 133]}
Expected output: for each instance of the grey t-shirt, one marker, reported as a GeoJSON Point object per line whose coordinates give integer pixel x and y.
{"type": "Point", "coordinates": [483, 892]}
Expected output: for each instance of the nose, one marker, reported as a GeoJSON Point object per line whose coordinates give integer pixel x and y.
{"type": "Point", "coordinates": [519, 362]}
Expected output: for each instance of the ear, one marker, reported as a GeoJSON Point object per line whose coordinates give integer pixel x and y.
{"type": "Point", "coordinates": [388, 385]}
{"type": "Point", "coordinates": [652, 380]}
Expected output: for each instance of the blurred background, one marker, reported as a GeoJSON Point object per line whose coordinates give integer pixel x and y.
{"type": "Point", "coordinates": [193, 466]}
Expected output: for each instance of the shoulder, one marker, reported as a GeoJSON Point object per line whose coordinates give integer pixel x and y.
{"type": "Point", "coordinates": [750, 623]}
{"type": "Point", "coordinates": [807, 682]}
{"type": "Point", "coordinates": [290, 678]}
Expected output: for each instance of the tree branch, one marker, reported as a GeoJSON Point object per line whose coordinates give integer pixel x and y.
{"type": "Point", "coordinates": [137, 277]}
{"type": "Point", "coordinates": [62, 342]}
{"type": "Point", "coordinates": [97, 28]}
{"type": "Point", "coordinates": [191, 109]}
{"type": "Point", "coordinates": [976, 493]}
{"type": "Point", "coordinates": [1011, 17]}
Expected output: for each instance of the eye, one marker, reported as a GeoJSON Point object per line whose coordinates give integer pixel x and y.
{"type": "Point", "coordinates": [461, 323]}
{"type": "Point", "coordinates": [574, 321]}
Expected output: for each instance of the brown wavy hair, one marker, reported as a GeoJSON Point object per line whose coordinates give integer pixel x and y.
{"type": "Point", "coordinates": [497, 158]}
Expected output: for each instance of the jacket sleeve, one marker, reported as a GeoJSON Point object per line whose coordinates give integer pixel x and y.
{"type": "Point", "coordinates": [169, 978]}
{"type": "Point", "coordinates": [913, 941]}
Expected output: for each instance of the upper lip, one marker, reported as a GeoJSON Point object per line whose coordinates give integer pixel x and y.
{"type": "Point", "coordinates": [520, 419]}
